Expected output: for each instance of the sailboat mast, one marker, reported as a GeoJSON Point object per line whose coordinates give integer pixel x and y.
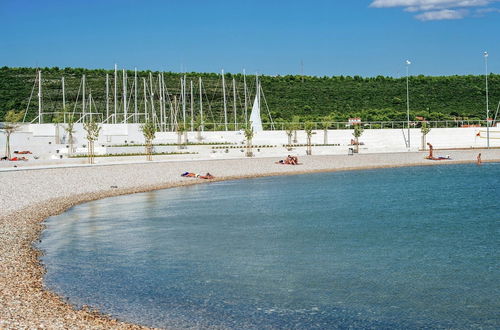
{"type": "Point", "coordinates": [90, 105]}
{"type": "Point", "coordinates": [161, 100]}
{"type": "Point", "coordinates": [40, 97]}
{"type": "Point", "coordinates": [246, 102]}
{"type": "Point", "coordinates": [107, 97]}
{"type": "Point", "coordinates": [257, 85]}
{"type": "Point", "coordinates": [145, 102]}
{"type": "Point", "coordinates": [175, 113]}
{"type": "Point", "coordinates": [135, 96]}
{"type": "Point", "coordinates": [184, 100]}
{"type": "Point", "coordinates": [151, 95]}
{"type": "Point", "coordinates": [201, 105]}
{"type": "Point", "coordinates": [83, 96]}
{"type": "Point", "coordinates": [116, 93]}
{"type": "Point", "coordinates": [64, 93]}
{"type": "Point", "coordinates": [224, 95]}
{"type": "Point", "coordinates": [234, 105]}
{"type": "Point", "coordinates": [192, 105]}
{"type": "Point", "coordinates": [124, 96]}
{"type": "Point", "coordinates": [164, 102]}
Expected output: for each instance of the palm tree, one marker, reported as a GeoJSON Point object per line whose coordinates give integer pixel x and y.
{"type": "Point", "coordinates": [249, 136]}
{"type": "Point", "coordinates": [12, 119]}
{"type": "Point", "coordinates": [92, 128]}
{"type": "Point", "coordinates": [308, 127]}
{"type": "Point", "coordinates": [70, 130]}
{"type": "Point", "coordinates": [425, 130]}
{"type": "Point", "coordinates": [149, 130]}
{"type": "Point", "coordinates": [358, 131]}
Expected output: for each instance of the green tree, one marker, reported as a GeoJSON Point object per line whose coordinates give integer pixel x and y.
{"type": "Point", "coordinates": [92, 128]}
{"type": "Point", "coordinates": [181, 130]}
{"type": "Point", "coordinates": [424, 129]}
{"type": "Point", "coordinates": [149, 131]}
{"type": "Point", "coordinates": [198, 125]}
{"type": "Point", "coordinates": [289, 129]}
{"type": "Point", "coordinates": [308, 127]}
{"type": "Point", "coordinates": [58, 119]}
{"type": "Point", "coordinates": [71, 131]}
{"type": "Point", "coordinates": [296, 127]}
{"type": "Point", "coordinates": [326, 125]}
{"type": "Point", "coordinates": [12, 119]}
{"type": "Point", "coordinates": [249, 136]}
{"type": "Point", "coordinates": [358, 131]}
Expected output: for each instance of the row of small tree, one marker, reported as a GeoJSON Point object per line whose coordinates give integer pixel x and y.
{"type": "Point", "coordinates": [12, 124]}
{"type": "Point", "coordinates": [149, 130]}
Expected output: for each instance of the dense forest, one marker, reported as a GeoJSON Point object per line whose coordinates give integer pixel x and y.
{"type": "Point", "coordinates": [299, 97]}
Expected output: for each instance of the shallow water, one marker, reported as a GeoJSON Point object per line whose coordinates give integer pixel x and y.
{"type": "Point", "coordinates": [388, 248]}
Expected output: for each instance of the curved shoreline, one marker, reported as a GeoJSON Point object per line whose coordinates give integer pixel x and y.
{"type": "Point", "coordinates": [26, 303]}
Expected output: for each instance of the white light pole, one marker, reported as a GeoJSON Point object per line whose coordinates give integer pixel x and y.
{"type": "Point", "coordinates": [408, 101]}
{"type": "Point", "coordinates": [487, 101]}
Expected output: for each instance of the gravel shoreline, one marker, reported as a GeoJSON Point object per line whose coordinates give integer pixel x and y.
{"type": "Point", "coordinates": [27, 197]}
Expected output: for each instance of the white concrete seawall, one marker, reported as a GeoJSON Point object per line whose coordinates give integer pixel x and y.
{"type": "Point", "coordinates": [40, 139]}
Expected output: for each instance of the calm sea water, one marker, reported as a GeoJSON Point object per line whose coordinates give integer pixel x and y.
{"type": "Point", "coordinates": [390, 248]}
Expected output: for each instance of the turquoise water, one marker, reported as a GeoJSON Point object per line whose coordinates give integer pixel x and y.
{"type": "Point", "coordinates": [389, 248]}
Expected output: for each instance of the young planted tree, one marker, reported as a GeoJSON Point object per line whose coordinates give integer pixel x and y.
{"type": "Point", "coordinates": [425, 129]}
{"type": "Point", "coordinates": [70, 130]}
{"type": "Point", "coordinates": [198, 125]}
{"type": "Point", "coordinates": [326, 125]}
{"type": "Point", "coordinates": [289, 133]}
{"type": "Point", "coordinates": [58, 119]}
{"type": "Point", "coordinates": [12, 119]}
{"type": "Point", "coordinates": [249, 136]}
{"type": "Point", "coordinates": [295, 127]}
{"type": "Point", "coordinates": [149, 130]}
{"type": "Point", "coordinates": [92, 128]}
{"type": "Point", "coordinates": [181, 130]}
{"type": "Point", "coordinates": [308, 128]}
{"type": "Point", "coordinates": [358, 131]}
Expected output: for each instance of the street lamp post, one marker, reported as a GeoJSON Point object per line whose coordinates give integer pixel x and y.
{"type": "Point", "coordinates": [408, 101]}
{"type": "Point", "coordinates": [487, 101]}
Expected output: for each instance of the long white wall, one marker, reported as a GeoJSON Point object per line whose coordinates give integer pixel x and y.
{"type": "Point", "coordinates": [40, 139]}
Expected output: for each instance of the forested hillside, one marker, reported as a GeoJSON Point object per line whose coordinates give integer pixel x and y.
{"type": "Point", "coordinates": [311, 98]}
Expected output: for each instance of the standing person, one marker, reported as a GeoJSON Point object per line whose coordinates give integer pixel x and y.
{"type": "Point", "coordinates": [479, 159]}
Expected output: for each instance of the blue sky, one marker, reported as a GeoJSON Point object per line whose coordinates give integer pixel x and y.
{"type": "Point", "coordinates": [342, 37]}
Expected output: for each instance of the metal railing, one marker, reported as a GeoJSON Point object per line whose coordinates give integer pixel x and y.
{"type": "Point", "coordinates": [211, 126]}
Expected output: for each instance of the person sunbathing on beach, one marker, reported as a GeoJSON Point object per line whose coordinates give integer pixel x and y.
{"type": "Point", "coordinates": [189, 175]}
{"type": "Point", "coordinates": [289, 160]}
{"type": "Point", "coordinates": [194, 175]}
{"type": "Point", "coordinates": [285, 161]}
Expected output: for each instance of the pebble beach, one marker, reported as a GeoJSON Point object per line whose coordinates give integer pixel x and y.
{"type": "Point", "coordinates": [28, 195]}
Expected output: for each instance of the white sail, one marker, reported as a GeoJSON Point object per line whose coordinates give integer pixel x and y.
{"type": "Point", "coordinates": [255, 120]}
